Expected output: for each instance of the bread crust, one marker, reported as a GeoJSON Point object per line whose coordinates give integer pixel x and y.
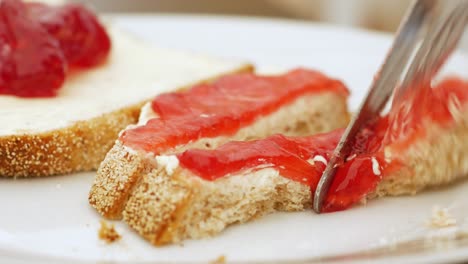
{"type": "Point", "coordinates": [79, 147]}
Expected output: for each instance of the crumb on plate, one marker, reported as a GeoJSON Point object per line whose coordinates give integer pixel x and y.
{"type": "Point", "coordinates": [219, 260]}
{"type": "Point", "coordinates": [108, 233]}
{"type": "Point", "coordinates": [441, 217]}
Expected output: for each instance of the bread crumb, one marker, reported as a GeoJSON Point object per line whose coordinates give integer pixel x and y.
{"type": "Point", "coordinates": [220, 260]}
{"type": "Point", "coordinates": [441, 218]}
{"type": "Point", "coordinates": [108, 233]}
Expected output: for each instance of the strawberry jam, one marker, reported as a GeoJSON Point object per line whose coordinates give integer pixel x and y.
{"type": "Point", "coordinates": [223, 107]}
{"type": "Point", "coordinates": [82, 38]}
{"type": "Point", "coordinates": [39, 43]}
{"type": "Point", "coordinates": [302, 159]}
{"type": "Point", "coordinates": [289, 155]}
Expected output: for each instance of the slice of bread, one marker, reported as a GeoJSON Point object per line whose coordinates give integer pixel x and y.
{"type": "Point", "coordinates": [41, 137]}
{"type": "Point", "coordinates": [171, 202]}
{"type": "Point", "coordinates": [170, 205]}
{"type": "Point", "coordinates": [124, 166]}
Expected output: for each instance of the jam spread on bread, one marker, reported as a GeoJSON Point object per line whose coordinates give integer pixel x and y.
{"type": "Point", "coordinates": [40, 44]}
{"type": "Point", "coordinates": [222, 107]}
{"type": "Point", "coordinates": [405, 123]}
{"type": "Point", "coordinates": [303, 159]}
{"type": "Point", "coordinates": [291, 156]}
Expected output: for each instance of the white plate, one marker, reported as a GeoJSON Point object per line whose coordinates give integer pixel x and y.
{"type": "Point", "coordinates": [49, 219]}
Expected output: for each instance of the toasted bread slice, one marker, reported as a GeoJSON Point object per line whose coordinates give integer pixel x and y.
{"type": "Point", "coordinates": [41, 137]}
{"type": "Point", "coordinates": [123, 167]}
{"type": "Point", "coordinates": [171, 202]}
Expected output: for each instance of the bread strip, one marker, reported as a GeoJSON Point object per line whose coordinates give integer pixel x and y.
{"type": "Point", "coordinates": [123, 167]}
{"type": "Point", "coordinates": [170, 208]}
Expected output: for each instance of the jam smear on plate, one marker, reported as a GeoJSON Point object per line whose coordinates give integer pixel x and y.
{"type": "Point", "coordinates": [40, 43]}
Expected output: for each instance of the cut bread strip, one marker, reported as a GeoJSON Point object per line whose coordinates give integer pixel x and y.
{"type": "Point", "coordinates": [123, 166]}
{"type": "Point", "coordinates": [171, 204]}
{"type": "Point", "coordinates": [168, 208]}
{"type": "Point", "coordinates": [41, 137]}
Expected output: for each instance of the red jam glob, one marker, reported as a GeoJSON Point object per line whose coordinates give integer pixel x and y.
{"type": "Point", "coordinates": [40, 43]}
